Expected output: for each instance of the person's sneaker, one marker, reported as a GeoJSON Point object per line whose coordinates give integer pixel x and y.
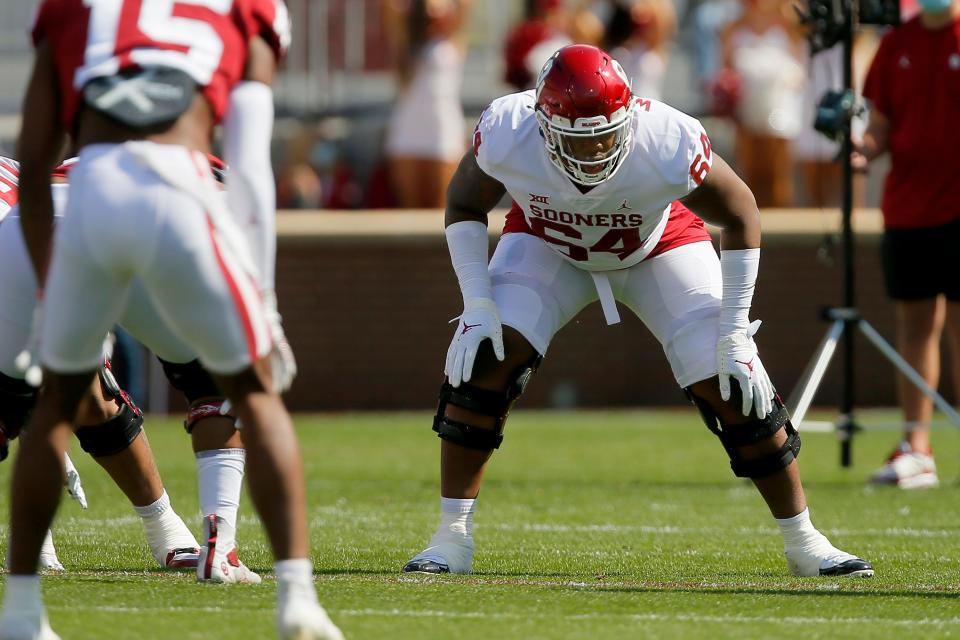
{"type": "Point", "coordinates": [171, 542]}
{"type": "Point", "coordinates": [302, 618]}
{"type": "Point", "coordinates": [820, 558]}
{"type": "Point", "coordinates": [445, 554]}
{"type": "Point", "coordinates": [185, 558]}
{"type": "Point", "coordinates": [218, 561]}
{"type": "Point", "coordinates": [907, 469]}
{"type": "Point", "coordinates": [26, 626]}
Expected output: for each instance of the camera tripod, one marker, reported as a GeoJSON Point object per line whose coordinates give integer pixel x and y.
{"type": "Point", "coordinates": [833, 26]}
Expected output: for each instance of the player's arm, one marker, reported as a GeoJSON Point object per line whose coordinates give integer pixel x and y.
{"type": "Point", "coordinates": [875, 141]}
{"type": "Point", "coordinates": [722, 199]}
{"type": "Point", "coordinates": [247, 131]}
{"type": "Point", "coordinates": [470, 197]}
{"type": "Point", "coordinates": [39, 147]}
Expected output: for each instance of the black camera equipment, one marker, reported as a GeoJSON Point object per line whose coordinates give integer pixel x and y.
{"type": "Point", "coordinates": [830, 22]}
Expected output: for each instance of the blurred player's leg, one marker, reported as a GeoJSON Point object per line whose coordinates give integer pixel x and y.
{"type": "Point", "coordinates": [35, 493]}
{"type": "Point", "coordinates": [277, 490]}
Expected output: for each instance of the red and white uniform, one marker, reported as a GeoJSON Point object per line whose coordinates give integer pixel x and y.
{"type": "Point", "coordinates": [18, 293]}
{"type": "Point", "coordinates": [629, 231]}
{"type": "Point", "coordinates": [9, 179]}
{"type": "Point", "coordinates": [622, 220]}
{"type": "Point", "coordinates": [206, 39]}
{"type": "Point", "coordinates": [147, 214]}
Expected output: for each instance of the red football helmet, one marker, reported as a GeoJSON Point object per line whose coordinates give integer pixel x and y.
{"type": "Point", "coordinates": [585, 108]}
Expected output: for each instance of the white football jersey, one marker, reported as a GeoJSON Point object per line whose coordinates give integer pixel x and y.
{"type": "Point", "coordinates": [617, 223]}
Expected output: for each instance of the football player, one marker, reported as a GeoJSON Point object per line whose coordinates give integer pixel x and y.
{"type": "Point", "coordinates": [216, 442]}
{"type": "Point", "coordinates": [610, 193]}
{"type": "Point", "coordinates": [140, 88]}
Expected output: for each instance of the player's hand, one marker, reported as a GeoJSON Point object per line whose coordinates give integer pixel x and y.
{"type": "Point", "coordinates": [737, 356]}
{"type": "Point", "coordinates": [283, 364]}
{"type": "Point", "coordinates": [74, 488]}
{"type": "Point", "coordinates": [479, 321]}
{"type": "Point", "coordinates": [27, 361]}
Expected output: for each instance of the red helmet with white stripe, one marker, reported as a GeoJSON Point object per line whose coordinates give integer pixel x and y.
{"type": "Point", "coordinates": [584, 107]}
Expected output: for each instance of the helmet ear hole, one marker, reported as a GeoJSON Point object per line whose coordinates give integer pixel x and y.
{"type": "Point", "coordinates": [582, 92]}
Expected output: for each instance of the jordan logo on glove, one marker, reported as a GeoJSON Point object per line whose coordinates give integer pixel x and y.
{"type": "Point", "coordinates": [467, 327]}
{"type": "Point", "coordinates": [748, 365]}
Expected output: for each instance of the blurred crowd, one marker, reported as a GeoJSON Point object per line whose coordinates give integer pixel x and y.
{"type": "Point", "coordinates": [751, 65]}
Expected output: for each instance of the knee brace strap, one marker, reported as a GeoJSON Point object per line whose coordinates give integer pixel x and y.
{"type": "Point", "coordinates": [467, 436]}
{"type": "Point", "coordinates": [112, 436]}
{"type": "Point", "coordinates": [496, 404]}
{"type": "Point", "coordinates": [203, 409]}
{"type": "Point", "coordinates": [17, 399]}
{"type": "Point", "coordinates": [735, 436]}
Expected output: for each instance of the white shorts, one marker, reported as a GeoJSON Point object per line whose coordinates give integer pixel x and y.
{"type": "Point", "coordinates": [676, 294]}
{"type": "Point", "coordinates": [144, 222]}
{"type": "Point", "coordinates": [18, 294]}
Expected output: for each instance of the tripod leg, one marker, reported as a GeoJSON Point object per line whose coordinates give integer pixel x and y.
{"type": "Point", "coordinates": [897, 360]}
{"type": "Point", "coordinates": [813, 376]}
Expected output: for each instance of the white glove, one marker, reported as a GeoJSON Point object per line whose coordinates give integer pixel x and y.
{"type": "Point", "coordinates": [27, 361]}
{"type": "Point", "coordinates": [283, 365]}
{"type": "Point", "coordinates": [74, 488]}
{"type": "Point", "coordinates": [737, 357]}
{"type": "Point", "coordinates": [478, 322]}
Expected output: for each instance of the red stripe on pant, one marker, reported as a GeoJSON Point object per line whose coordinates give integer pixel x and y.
{"type": "Point", "coordinates": [235, 293]}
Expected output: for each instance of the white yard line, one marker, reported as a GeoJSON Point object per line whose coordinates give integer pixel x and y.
{"type": "Point", "coordinates": [526, 615]}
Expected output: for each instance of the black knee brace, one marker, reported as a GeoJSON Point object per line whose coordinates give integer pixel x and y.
{"type": "Point", "coordinates": [17, 399]}
{"type": "Point", "coordinates": [112, 436]}
{"type": "Point", "coordinates": [198, 387]}
{"type": "Point", "coordinates": [191, 379]}
{"type": "Point", "coordinates": [735, 436]}
{"type": "Point", "coordinates": [496, 404]}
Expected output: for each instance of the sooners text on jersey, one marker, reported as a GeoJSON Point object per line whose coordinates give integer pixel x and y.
{"type": "Point", "coordinates": [620, 221]}
{"type": "Point", "coordinates": [207, 39]}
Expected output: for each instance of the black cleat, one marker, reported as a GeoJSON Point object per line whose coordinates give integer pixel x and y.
{"type": "Point", "coordinates": [429, 566]}
{"type": "Point", "coordinates": [855, 568]}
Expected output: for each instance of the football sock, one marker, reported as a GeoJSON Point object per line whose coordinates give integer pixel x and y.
{"type": "Point", "coordinates": [22, 594]}
{"type": "Point", "coordinates": [807, 549]}
{"type": "Point", "coordinates": [295, 578]}
{"type": "Point", "coordinates": [220, 477]}
{"type": "Point", "coordinates": [456, 515]}
{"type": "Point", "coordinates": [164, 528]}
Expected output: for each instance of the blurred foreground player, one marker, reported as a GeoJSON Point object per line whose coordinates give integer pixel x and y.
{"type": "Point", "coordinates": [596, 216]}
{"type": "Point", "coordinates": [140, 87]}
{"type": "Point", "coordinates": [216, 442]}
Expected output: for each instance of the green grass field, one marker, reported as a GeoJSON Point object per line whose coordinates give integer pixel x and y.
{"type": "Point", "coordinates": [591, 525]}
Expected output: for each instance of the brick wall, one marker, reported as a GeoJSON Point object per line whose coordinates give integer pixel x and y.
{"type": "Point", "coordinates": [368, 312]}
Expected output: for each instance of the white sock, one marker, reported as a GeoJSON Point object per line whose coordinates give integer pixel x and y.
{"type": "Point", "coordinates": [456, 515]}
{"type": "Point", "coordinates": [22, 595]}
{"type": "Point", "coordinates": [796, 530]}
{"type": "Point", "coordinates": [295, 578]}
{"type": "Point", "coordinates": [164, 528]}
{"type": "Point", "coordinates": [47, 546]}
{"type": "Point", "coordinates": [220, 477]}
{"type": "Point", "coordinates": [807, 549]}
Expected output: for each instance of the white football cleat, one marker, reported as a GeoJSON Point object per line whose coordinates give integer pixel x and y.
{"type": "Point", "coordinates": [171, 542]}
{"type": "Point", "coordinates": [218, 561]}
{"type": "Point", "coordinates": [907, 469]}
{"type": "Point", "coordinates": [447, 553]}
{"type": "Point", "coordinates": [820, 558]}
{"type": "Point", "coordinates": [300, 617]}
{"type": "Point", "coordinates": [26, 626]}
